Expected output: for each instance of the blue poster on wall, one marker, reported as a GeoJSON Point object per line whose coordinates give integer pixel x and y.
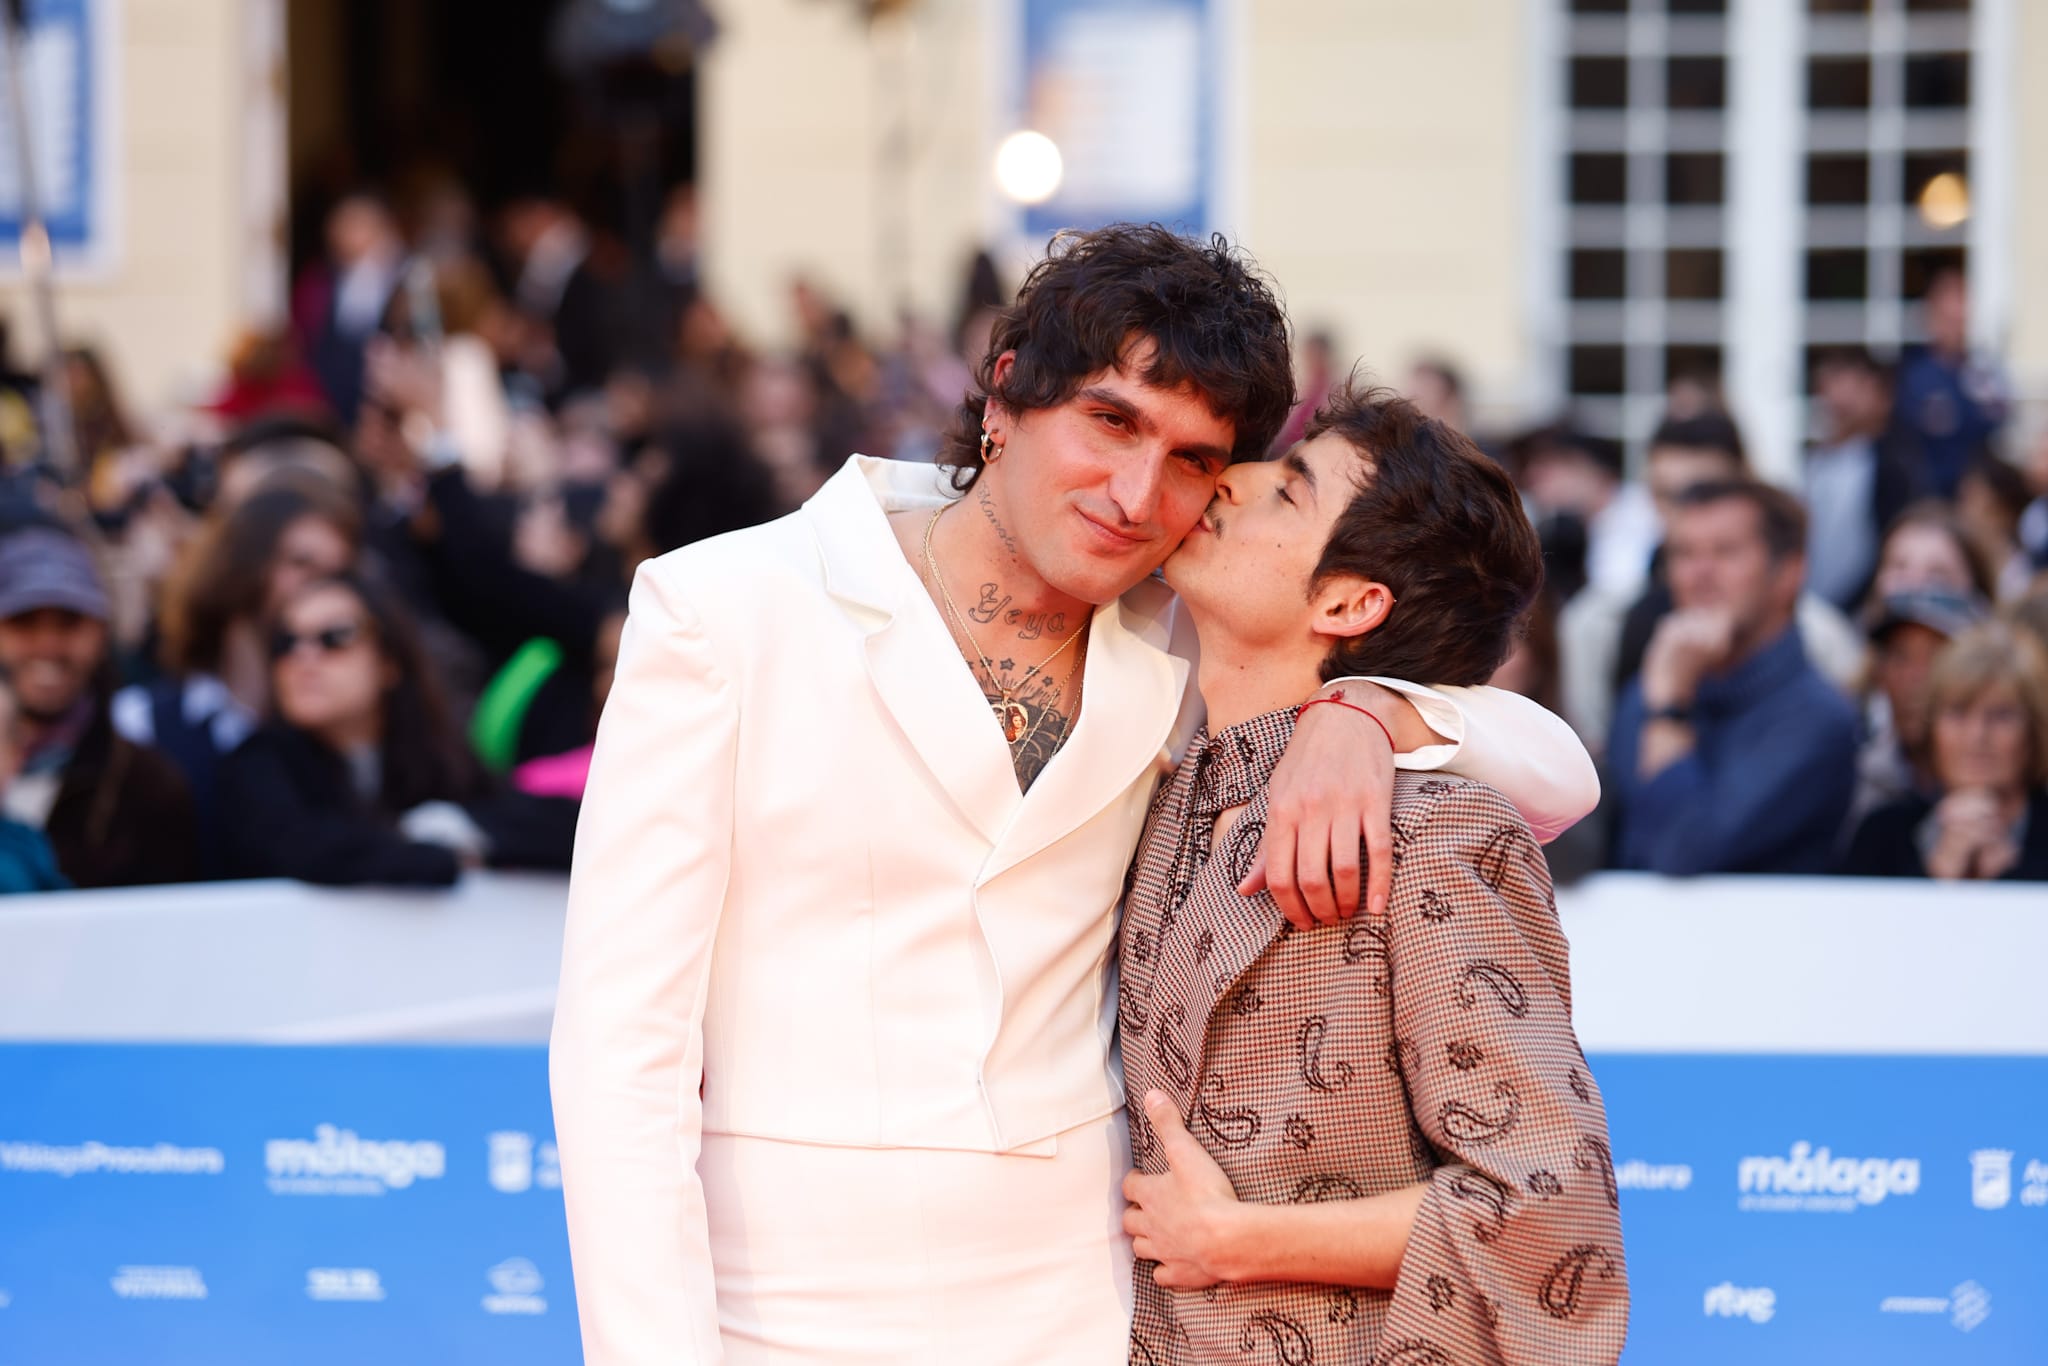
{"type": "Point", "coordinates": [1130, 92]}
{"type": "Point", "coordinates": [69, 85]}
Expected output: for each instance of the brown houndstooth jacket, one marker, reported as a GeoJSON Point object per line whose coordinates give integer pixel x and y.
{"type": "Point", "coordinates": [1432, 1045]}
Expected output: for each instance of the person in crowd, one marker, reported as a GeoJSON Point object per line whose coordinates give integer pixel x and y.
{"type": "Point", "coordinates": [1911, 630]}
{"type": "Point", "coordinates": [214, 623]}
{"type": "Point", "coordinates": [27, 863]}
{"type": "Point", "coordinates": [360, 777]}
{"type": "Point", "coordinates": [1566, 472]}
{"type": "Point", "coordinates": [338, 304]}
{"type": "Point", "coordinates": [1858, 478]}
{"type": "Point", "coordinates": [1604, 640]}
{"type": "Point", "coordinates": [1694, 391]}
{"type": "Point", "coordinates": [116, 814]}
{"type": "Point", "coordinates": [1731, 752]}
{"type": "Point", "coordinates": [1987, 817]}
{"type": "Point", "coordinates": [1437, 386]}
{"type": "Point", "coordinates": [1929, 548]}
{"type": "Point", "coordinates": [1951, 403]}
{"type": "Point", "coordinates": [2033, 527]}
{"type": "Point", "coordinates": [908, 736]}
{"type": "Point", "coordinates": [1531, 669]}
{"type": "Point", "coordinates": [1990, 501]}
{"type": "Point", "coordinates": [1386, 543]}
{"type": "Point", "coordinates": [564, 280]}
{"type": "Point", "coordinates": [1317, 367]}
{"type": "Point", "coordinates": [2030, 613]}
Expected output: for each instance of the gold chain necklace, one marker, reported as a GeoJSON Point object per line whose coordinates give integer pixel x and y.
{"type": "Point", "coordinates": [1009, 712]}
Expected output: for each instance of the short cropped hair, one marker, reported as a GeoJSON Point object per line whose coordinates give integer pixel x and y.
{"type": "Point", "coordinates": [1211, 317]}
{"type": "Point", "coordinates": [1702, 432]}
{"type": "Point", "coordinates": [1781, 519]}
{"type": "Point", "coordinates": [1440, 525]}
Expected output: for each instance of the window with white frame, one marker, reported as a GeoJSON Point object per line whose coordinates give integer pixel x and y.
{"type": "Point", "coordinates": [1645, 230]}
{"type": "Point", "coordinates": [1887, 164]}
{"type": "Point", "coordinates": [1747, 183]}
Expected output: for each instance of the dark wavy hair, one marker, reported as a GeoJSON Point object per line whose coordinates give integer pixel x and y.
{"type": "Point", "coordinates": [226, 575]}
{"type": "Point", "coordinates": [1210, 315]}
{"type": "Point", "coordinates": [1440, 525]}
{"type": "Point", "coordinates": [424, 758]}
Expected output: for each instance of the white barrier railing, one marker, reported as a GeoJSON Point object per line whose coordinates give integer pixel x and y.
{"type": "Point", "coordinates": [1729, 965]}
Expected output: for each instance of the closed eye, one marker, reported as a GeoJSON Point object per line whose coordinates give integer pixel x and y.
{"type": "Point", "coordinates": [1285, 496]}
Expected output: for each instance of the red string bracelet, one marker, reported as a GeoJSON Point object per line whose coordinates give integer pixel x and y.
{"type": "Point", "coordinates": [1338, 701]}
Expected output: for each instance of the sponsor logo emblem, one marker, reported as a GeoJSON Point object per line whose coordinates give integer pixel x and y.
{"type": "Point", "coordinates": [159, 1283]}
{"type": "Point", "coordinates": [1730, 1301]}
{"type": "Point", "coordinates": [1991, 1178]}
{"type": "Point", "coordinates": [1967, 1306]}
{"type": "Point", "coordinates": [517, 1163]}
{"type": "Point", "coordinates": [74, 1159]}
{"type": "Point", "coordinates": [337, 1162]}
{"type": "Point", "coordinates": [515, 1288]}
{"type": "Point", "coordinates": [1635, 1175]}
{"type": "Point", "coordinates": [359, 1284]}
{"type": "Point", "coordinates": [1814, 1180]}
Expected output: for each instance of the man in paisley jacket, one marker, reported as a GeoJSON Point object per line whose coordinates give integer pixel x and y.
{"type": "Point", "coordinates": [1374, 1142]}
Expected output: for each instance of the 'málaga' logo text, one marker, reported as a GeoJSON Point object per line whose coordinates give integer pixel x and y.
{"type": "Point", "coordinates": [336, 1162]}
{"type": "Point", "coordinates": [1814, 1179]}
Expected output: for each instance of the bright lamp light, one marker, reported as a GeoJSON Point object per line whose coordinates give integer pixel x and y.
{"type": "Point", "coordinates": [1028, 167]}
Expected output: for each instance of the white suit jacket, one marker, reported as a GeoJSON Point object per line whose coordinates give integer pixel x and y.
{"type": "Point", "coordinates": [805, 876]}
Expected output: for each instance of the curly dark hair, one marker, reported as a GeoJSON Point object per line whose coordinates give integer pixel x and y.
{"type": "Point", "coordinates": [1440, 525]}
{"type": "Point", "coordinates": [1210, 315]}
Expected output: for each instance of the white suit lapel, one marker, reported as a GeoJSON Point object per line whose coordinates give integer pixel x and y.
{"type": "Point", "coordinates": [1130, 697]}
{"type": "Point", "coordinates": [911, 660]}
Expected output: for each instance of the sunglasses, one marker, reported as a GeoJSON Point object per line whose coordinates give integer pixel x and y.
{"type": "Point", "coordinates": [331, 641]}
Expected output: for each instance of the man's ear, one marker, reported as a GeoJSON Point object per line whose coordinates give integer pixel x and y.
{"type": "Point", "coordinates": [996, 414]}
{"type": "Point", "coordinates": [1348, 605]}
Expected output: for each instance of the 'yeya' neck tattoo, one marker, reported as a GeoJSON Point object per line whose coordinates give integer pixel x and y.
{"type": "Point", "coordinates": [1033, 695]}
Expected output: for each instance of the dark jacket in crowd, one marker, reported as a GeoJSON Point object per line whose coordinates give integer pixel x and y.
{"type": "Point", "coordinates": [1767, 785]}
{"type": "Point", "coordinates": [292, 811]}
{"type": "Point", "coordinates": [27, 863]}
{"type": "Point", "coordinates": [1887, 844]}
{"type": "Point", "coordinates": [122, 816]}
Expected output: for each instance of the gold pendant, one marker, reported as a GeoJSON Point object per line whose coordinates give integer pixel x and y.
{"type": "Point", "coordinates": [1013, 719]}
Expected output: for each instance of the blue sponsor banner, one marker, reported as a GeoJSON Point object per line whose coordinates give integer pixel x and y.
{"type": "Point", "coordinates": [177, 1204]}
{"type": "Point", "coordinates": [163, 1205]}
{"type": "Point", "coordinates": [1800, 1209]}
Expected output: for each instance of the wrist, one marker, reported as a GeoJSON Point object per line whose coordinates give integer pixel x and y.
{"type": "Point", "coordinates": [1405, 729]}
{"type": "Point", "coordinates": [1667, 690]}
{"type": "Point", "coordinates": [1234, 1243]}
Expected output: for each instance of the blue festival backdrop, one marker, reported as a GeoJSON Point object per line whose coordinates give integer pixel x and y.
{"type": "Point", "coordinates": [165, 1205]}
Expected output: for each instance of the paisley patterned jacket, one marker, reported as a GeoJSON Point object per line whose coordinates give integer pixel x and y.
{"type": "Point", "coordinates": [1432, 1045]}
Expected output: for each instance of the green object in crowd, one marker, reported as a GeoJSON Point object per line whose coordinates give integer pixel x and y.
{"type": "Point", "coordinates": [501, 711]}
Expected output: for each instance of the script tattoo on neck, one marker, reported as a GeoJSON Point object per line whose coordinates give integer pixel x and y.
{"type": "Point", "coordinates": [988, 510]}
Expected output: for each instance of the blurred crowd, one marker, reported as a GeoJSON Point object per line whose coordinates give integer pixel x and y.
{"type": "Point", "coordinates": [1849, 675]}
{"type": "Point", "coordinates": [352, 617]}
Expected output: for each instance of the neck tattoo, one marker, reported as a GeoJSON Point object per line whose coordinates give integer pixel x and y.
{"type": "Point", "coordinates": [1025, 733]}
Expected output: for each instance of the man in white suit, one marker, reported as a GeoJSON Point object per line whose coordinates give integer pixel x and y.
{"type": "Point", "coordinates": [832, 1055]}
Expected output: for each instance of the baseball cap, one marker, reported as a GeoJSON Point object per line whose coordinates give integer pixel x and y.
{"type": "Point", "coordinates": [44, 567]}
{"type": "Point", "coordinates": [1946, 614]}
